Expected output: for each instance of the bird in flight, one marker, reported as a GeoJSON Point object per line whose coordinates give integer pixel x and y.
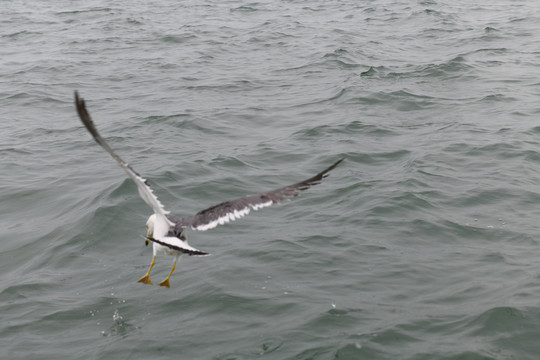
{"type": "Point", "coordinates": [166, 231]}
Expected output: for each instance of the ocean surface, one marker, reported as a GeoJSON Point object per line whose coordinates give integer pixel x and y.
{"type": "Point", "coordinates": [424, 244]}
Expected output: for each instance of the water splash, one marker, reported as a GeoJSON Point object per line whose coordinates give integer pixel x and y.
{"type": "Point", "coordinates": [119, 327]}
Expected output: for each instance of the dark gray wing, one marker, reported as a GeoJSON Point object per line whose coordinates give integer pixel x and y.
{"type": "Point", "coordinates": [231, 210]}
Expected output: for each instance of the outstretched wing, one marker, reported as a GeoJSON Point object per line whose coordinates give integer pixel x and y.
{"type": "Point", "coordinates": [231, 210]}
{"type": "Point", "coordinates": [162, 224]}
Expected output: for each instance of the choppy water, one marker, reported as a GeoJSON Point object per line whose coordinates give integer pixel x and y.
{"type": "Point", "coordinates": [423, 244]}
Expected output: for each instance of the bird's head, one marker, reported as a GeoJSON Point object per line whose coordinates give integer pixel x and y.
{"type": "Point", "coordinates": [150, 228]}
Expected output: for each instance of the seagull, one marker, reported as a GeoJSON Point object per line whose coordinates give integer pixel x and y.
{"type": "Point", "coordinates": [166, 231]}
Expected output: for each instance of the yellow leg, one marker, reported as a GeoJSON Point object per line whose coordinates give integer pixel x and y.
{"type": "Point", "coordinates": [146, 278]}
{"type": "Point", "coordinates": [166, 281]}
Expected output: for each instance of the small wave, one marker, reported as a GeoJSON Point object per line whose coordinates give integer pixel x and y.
{"type": "Point", "coordinates": [244, 9]}
{"type": "Point", "coordinates": [498, 321]}
{"type": "Point", "coordinates": [178, 39]}
{"type": "Point", "coordinates": [350, 128]}
{"type": "Point", "coordinates": [373, 70]}
{"type": "Point", "coordinates": [497, 98]}
{"type": "Point", "coordinates": [133, 21]}
{"type": "Point", "coordinates": [19, 35]}
{"type": "Point", "coordinates": [454, 67]}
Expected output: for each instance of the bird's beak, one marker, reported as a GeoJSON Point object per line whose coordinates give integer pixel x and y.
{"type": "Point", "coordinates": [147, 240]}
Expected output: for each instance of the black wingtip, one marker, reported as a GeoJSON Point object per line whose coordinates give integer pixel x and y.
{"type": "Point", "coordinates": [303, 185]}
{"type": "Point", "coordinates": [80, 105]}
{"type": "Point", "coordinates": [325, 172]}
{"type": "Point", "coordinates": [336, 164]}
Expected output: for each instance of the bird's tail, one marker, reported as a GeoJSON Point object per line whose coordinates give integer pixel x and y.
{"type": "Point", "coordinates": [178, 245]}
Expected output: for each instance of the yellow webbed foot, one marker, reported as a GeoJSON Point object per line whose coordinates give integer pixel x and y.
{"type": "Point", "coordinates": [145, 279]}
{"type": "Point", "coordinates": [165, 283]}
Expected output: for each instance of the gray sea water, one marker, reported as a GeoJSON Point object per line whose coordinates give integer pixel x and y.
{"type": "Point", "coordinates": [423, 244]}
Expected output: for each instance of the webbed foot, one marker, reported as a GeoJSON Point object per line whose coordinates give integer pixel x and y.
{"type": "Point", "coordinates": [165, 283]}
{"type": "Point", "coordinates": [145, 279]}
